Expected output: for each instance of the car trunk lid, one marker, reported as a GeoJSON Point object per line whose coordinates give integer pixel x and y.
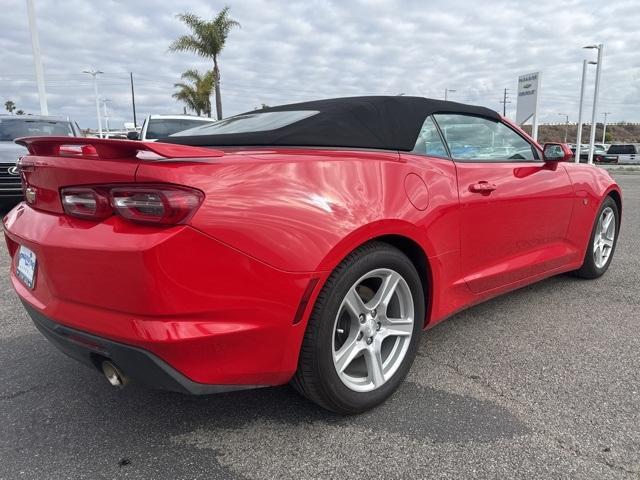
{"type": "Point", "coordinates": [57, 162]}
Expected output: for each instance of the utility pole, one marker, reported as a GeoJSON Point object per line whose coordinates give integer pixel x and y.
{"type": "Point", "coordinates": [504, 102]}
{"type": "Point", "coordinates": [566, 126]}
{"type": "Point", "coordinates": [37, 61]}
{"type": "Point", "coordinates": [133, 101]}
{"type": "Point", "coordinates": [106, 116]}
{"type": "Point", "coordinates": [94, 73]}
{"type": "Point", "coordinates": [604, 126]}
{"type": "Point", "coordinates": [592, 138]}
{"type": "Point", "coordinates": [447, 91]}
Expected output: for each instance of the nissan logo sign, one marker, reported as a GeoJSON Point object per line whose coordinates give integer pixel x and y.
{"type": "Point", "coordinates": [13, 170]}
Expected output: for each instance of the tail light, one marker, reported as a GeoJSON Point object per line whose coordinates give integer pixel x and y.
{"type": "Point", "coordinates": [87, 203]}
{"type": "Point", "coordinates": [168, 205]}
{"type": "Point", "coordinates": [150, 204]}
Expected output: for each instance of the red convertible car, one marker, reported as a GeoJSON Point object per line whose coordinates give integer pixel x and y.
{"type": "Point", "coordinates": [307, 243]}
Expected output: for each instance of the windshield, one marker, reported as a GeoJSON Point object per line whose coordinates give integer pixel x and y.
{"type": "Point", "coordinates": [12, 128]}
{"type": "Point", "coordinates": [250, 122]}
{"type": "Point", "coordinates": [163, 127]}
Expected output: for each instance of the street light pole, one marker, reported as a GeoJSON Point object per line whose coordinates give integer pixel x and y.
{"type": "Point", "coordinates": [604, 126]}
{"type": "Point", "coordinates": [446, 93]}
{"type": "Point", "coordinates": [94, 73]}
{"type": "Point", "coordinates": [133, 101]}
{"type": "Point", "coordinates": [592, 137]}
{"type": "Point", "coordinates": [579, 139]}
{"type": "Point", "coordinates": [106, 116]}
{"type": "Point", "coordinates": [566, 125]}
{"type": "Point", "coordinates": [37, 60]}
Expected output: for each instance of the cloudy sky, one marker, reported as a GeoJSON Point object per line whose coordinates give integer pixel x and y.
{"type": "Point", "coordinates": [288, 51]}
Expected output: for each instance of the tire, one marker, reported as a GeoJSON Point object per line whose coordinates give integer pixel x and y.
{"type": "Point", "coordinates": [351, 363]}
{"type": "Point", "coordinates": [593, 265]}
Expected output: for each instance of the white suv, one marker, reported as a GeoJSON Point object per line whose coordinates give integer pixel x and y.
{"type": "Point", "coordinates": [161, 126]}
{"type": "Point", "coordinates": [16, 126]}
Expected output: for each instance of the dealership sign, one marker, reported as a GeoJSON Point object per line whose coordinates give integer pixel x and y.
{"type": "Point", "coordinates": [527, 107]}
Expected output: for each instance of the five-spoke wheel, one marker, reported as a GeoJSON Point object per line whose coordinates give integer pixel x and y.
{"type": "Point", "coordinates": [363, 332]}
{"type": "Point", "coordinates": [373, 329]}
{"type": "Point", "coordinates": [604, 237]}
{"type": "Point", "coordinates": [602, 243]}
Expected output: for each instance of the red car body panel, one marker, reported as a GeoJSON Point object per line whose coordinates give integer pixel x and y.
{"type": "Point", "coordinates": [129, 283]}
{"type": "Point", "coordinates": [519, 228]}
{"type": "Point", "coordinates": [222, 299]}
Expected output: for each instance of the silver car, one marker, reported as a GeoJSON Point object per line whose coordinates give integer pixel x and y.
{"type": "Point", "coordinates": [16, 126]}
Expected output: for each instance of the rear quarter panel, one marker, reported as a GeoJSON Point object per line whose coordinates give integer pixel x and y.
{"type": "Point", "coordinates": [304, 210]}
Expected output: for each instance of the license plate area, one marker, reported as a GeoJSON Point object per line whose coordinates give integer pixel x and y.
{"type": "Point", "coordinates": [26, 266]}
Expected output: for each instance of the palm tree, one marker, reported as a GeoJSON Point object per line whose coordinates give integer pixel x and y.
{"type": "Point", "coordinates": [197, 95]}
{"type": "Point", "coordinates": [10, 105]}
{"type": "Point", "coordinates": [20, 112]}
{"type": "Point", "coordinates": [207, 39]}
{"type": "Point", "coordinates": [187, 95]}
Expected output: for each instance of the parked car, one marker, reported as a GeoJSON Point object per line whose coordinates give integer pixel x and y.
{"type": "Point", "coordinates": [155, 127]}
{"type": "Point", "coordinates": [307, 243]}
{"type": "Point", "coordinates": [599, 153]}
{"type": "Point", "coordinates": [16, 126]}
{"type": "Point", "coordinates": [624, 153]}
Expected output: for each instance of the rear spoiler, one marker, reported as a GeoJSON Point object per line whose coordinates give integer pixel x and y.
{"type": "Point", "coordinates": [107, 149]}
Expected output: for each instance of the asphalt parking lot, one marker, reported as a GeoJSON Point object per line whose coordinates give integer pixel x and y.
{"type": "Point", "coordinates": [541, 383]}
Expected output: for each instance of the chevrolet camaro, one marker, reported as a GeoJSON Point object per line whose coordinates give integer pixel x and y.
{"type": "Point", "coordinates": [306, 244]}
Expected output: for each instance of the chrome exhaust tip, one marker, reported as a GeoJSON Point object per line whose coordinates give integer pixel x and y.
{"type": "Point", "coordinates": [113, 374]}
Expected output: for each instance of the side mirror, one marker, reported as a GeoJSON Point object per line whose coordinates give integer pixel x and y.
{"type": "Point", "coordinates": [133, 135]}
{"type": "Point", "coordinates": [557, 152]}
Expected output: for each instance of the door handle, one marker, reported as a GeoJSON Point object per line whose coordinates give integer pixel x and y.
{"type": "Point", "coordinates": [482, 187]}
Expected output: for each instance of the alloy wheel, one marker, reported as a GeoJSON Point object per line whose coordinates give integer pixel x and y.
{"type": "Point", "coordinates": [372, 330]}
{"type": "Point", "coordinates": [604, 237]}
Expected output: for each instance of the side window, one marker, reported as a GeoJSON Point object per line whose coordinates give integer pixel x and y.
{"type": "Point", "coordinates": [429, 141]}
{"type": "Point", "coordinates": [477, 138]}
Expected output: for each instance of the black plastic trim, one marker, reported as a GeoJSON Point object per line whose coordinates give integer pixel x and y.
{"type": "Point", "coordinates": [138, 365]}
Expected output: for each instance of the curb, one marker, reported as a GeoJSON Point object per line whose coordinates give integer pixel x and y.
{"type": "Point", "coordinates": [621, 168]}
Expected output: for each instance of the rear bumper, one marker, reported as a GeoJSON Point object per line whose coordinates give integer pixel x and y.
{"type": "Point", "coordinates": [139, 365]}
{"type": "Point", "coordinates": [214, 315]}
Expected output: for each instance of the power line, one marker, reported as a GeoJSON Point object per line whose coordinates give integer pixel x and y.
{"type": "Point", "coordinates": [122, 79]}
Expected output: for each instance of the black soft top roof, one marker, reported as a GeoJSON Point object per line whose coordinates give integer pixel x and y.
{"type": "Point", "coordinates": [381, 122]}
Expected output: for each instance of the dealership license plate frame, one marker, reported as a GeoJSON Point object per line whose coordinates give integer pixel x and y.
{"type": "Point", "coordinates": [26, 266]}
